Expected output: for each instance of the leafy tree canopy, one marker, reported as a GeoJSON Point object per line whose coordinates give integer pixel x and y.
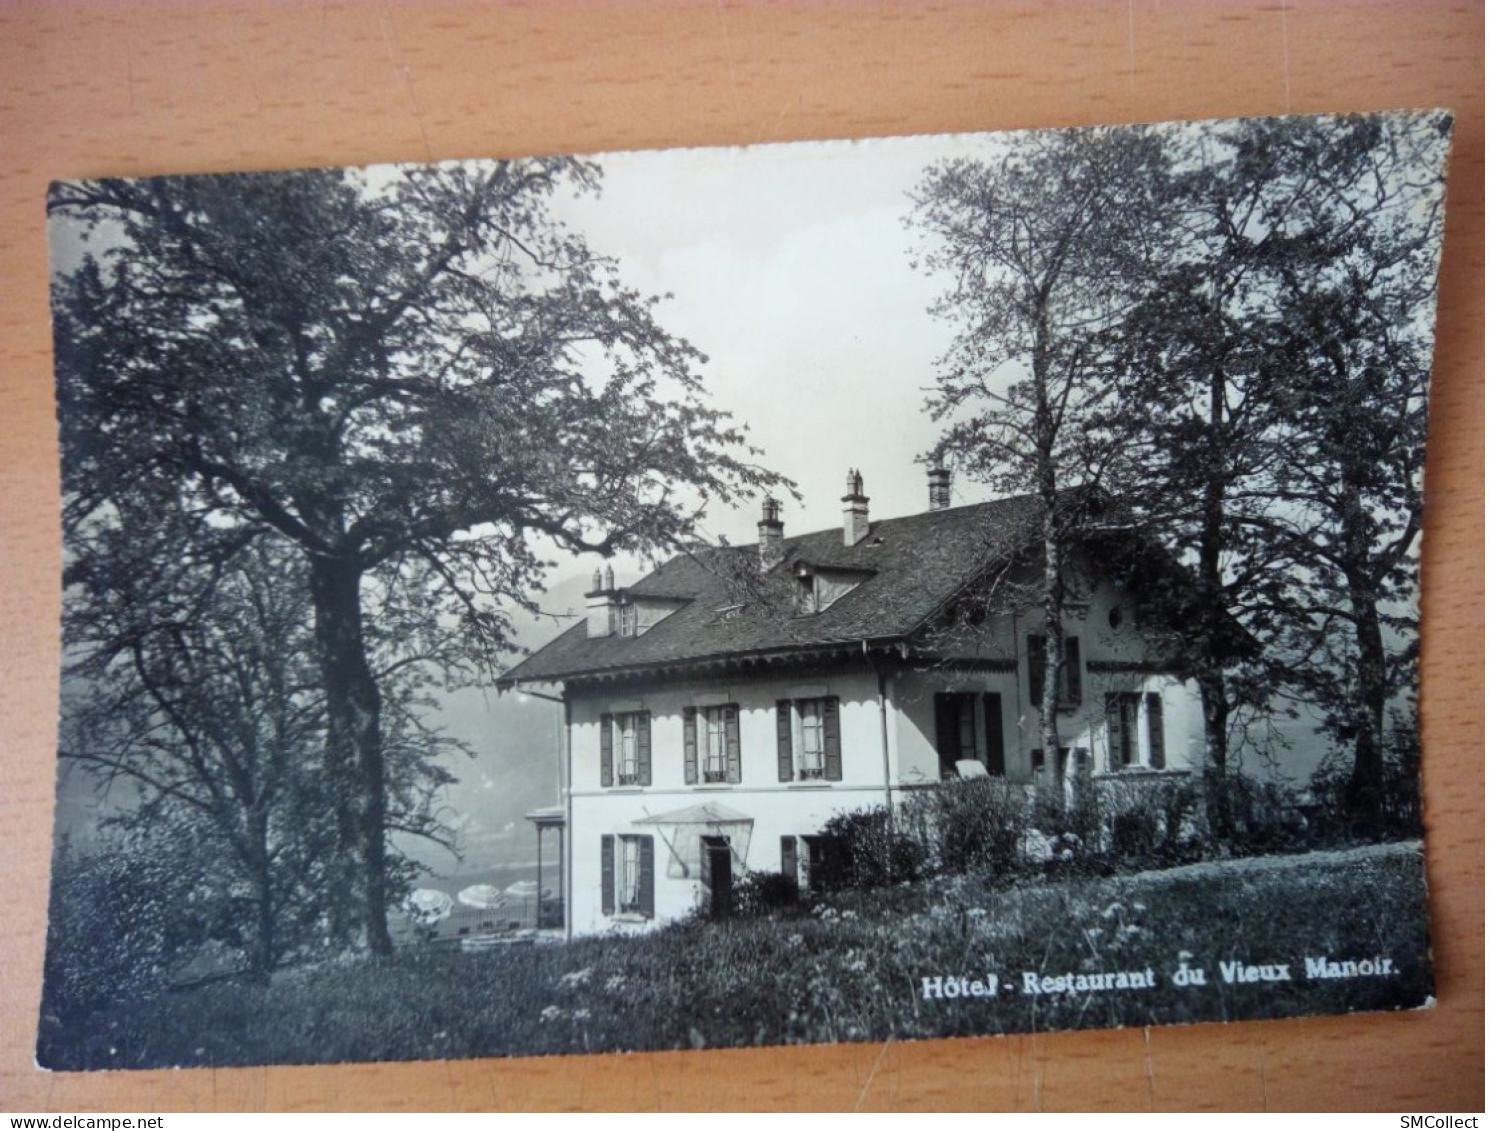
{"type": "Point", "coordinates": [418, 369]}
{"type": "Point", "coordinates": [412, 377]}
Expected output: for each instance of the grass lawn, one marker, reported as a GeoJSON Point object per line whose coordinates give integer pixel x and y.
{"type": "Point", "coordinates": [853, 969]}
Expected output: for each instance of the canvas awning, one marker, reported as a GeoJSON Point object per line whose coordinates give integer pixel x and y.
{"type": "Point", "coordinates": [683, 830]}
{"type": "Point", "coordinates": [708, 813]}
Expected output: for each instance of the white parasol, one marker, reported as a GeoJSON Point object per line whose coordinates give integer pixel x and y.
{"type": "Point", "coordinates": [427, 906]}
{"type": "Point", "coordinates": [484, 896]}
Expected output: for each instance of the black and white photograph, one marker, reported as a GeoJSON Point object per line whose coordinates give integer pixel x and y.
{"type": "Point", "coordinates": [831, 592]}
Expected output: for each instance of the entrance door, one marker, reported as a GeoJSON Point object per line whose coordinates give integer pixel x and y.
{"type": "Point", "coordinates": [718, 872]}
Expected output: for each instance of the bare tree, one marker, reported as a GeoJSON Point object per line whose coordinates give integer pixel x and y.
{"type": "Point", "coordinates": [1278, 370]}
{"type": "Point", "coordinates": [1047, 245]}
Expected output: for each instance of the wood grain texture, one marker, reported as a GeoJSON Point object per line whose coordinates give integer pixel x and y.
{"type": "Point", "coordinates": [158, 87]}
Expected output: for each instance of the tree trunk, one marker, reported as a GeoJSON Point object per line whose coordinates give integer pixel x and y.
{"type": "Point", "coordinates": [1054, 648]}
{"type": "Point", "coordinates": [354, 752]}
{"type": "Point", "coordinates": [1364, 793]}
{"type": "Point", "coordinates": [1214, 695]}
{"type": "Point", "coordinates": [1216, 707]}
{"type": "Point", "coordinates": [1052, 590]}
{"type": "Point", "coordinates": [261, 947]}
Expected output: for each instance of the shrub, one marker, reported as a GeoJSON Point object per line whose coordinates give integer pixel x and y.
{"type": "Point", "coordinates": [1154, 823]}
{"type": "Point", "coordinates": [1401, 787]}
{"type": "Point", "coordinates": [119, 925]}
{"type": "Point", "coordinates": [974, 826]}
{"type": "Point", "coordinates": [1264, 817]}
{"type": "Point", "coordinates": [760, 894]}
{"type": "Point", "coordinates": [865, 849]}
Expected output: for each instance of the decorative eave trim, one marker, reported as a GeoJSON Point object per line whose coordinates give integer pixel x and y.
{"type": "Point", "coordinates": [968, 664]}
{"type": "Point", "coordinates": [1131, 667]}
{"type": "Point", "coordinates": [743, 662]}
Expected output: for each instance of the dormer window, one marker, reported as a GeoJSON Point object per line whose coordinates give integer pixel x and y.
{"type": "Point", "coordinates": [628, 619]}
{"type": "Point", "coordinates": [817, 590]}
{"type": "Point", "coordinates": [806, 594]}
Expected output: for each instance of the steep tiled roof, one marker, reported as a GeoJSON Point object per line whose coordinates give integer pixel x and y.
{"type": "Point", "coordinates": [911, 567]}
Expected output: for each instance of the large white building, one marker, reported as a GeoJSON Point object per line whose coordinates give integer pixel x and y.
{"type": "Point", "coordinates": [721, 709]}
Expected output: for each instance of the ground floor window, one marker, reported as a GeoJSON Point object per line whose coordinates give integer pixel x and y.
{"type": "Point", "coordinates": [957, 732]}
{"type": "Point", "coordinates": [1036, 762]}
{"type": "Point", "coordinates": [1121, 729]}
{"type": "Point", "coordinates": [627, 875]}
{"type": "Point", "coordinates": [1127, 713]}
{"type": "Point", "coordinates": [808, 860]}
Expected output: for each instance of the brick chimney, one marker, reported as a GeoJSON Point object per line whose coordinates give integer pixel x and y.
{"type": "Point", "coordinates": [772, 534]}
{"type": "Point", "coordinates": [599, 605]}
{"type": "Point", "coordinates": [855, 510]}
{"type": "Point", "coordinates": [939, 481]}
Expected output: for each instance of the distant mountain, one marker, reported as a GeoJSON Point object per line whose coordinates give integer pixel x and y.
{"type": "Point", "coordinates": [518, 740]}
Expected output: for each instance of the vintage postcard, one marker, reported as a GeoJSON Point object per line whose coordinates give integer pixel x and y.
{"type": "Point", "coordinates": [850, 591]}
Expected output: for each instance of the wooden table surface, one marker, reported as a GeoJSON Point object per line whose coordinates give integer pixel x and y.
{"type": "Point", "coordinates": [155, 87]}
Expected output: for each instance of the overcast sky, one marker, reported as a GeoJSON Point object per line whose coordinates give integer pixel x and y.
{"type": "Point", "coordinates": [790, 267]}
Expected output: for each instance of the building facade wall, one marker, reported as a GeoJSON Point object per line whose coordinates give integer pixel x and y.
{"type": "Point", "coordinates": [881, 754]}
{"type": "Point", "coordinates": [796, 808]}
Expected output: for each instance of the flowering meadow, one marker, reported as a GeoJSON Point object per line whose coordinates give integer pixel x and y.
{"type": "Point", "coordinates": [902, 962]}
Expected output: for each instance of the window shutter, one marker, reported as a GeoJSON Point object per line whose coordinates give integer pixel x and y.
{"type": "Point", "coordinates": [831, 741]}
{"type": "Point", "coordinates": [1072, 670]}
{"type": "Point", "coordinates": [992, 721]}
{"type": "Point", "coordinates": [1113, 731]}
{"type": "Point", "coordinates": [607, 874]}
{"type": "Point", "coordinates": [648, 878]}
{"type": "Point", "coordinates": [690, 745]}
{"type": "Point", "coordinates": [1036, 670]}
{"type": "Point", "coordinates": [785, 764]}
{"type": "Point", "coordinates": [731, 741]}
{"type": "Point", "coordinates": [788, 859]}
{"type": "Point", "coordinates": [1155, 730]}
{"type": "Point", "coordinates": [946, 734]}
{"type": "Point", "coordinates": [607, 750]}
{"type": "Point", "coordinates": [643, 747]}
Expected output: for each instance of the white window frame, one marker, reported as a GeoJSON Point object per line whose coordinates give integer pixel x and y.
{"type": "Point", "coordinates": [1140, 734]}
{"type": "Point", "coordinates": [713, 745]}
{"type": "Point", "coordinates": [966, 729]}
{"type": "Point", "coordinates": [806, 595]}
{"type": "Point", "coordinates": [627, 749]}
{"type": "Point", "coordinates": [628, 875]}
{"type": "Point", "coordinates": [805, 725]}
